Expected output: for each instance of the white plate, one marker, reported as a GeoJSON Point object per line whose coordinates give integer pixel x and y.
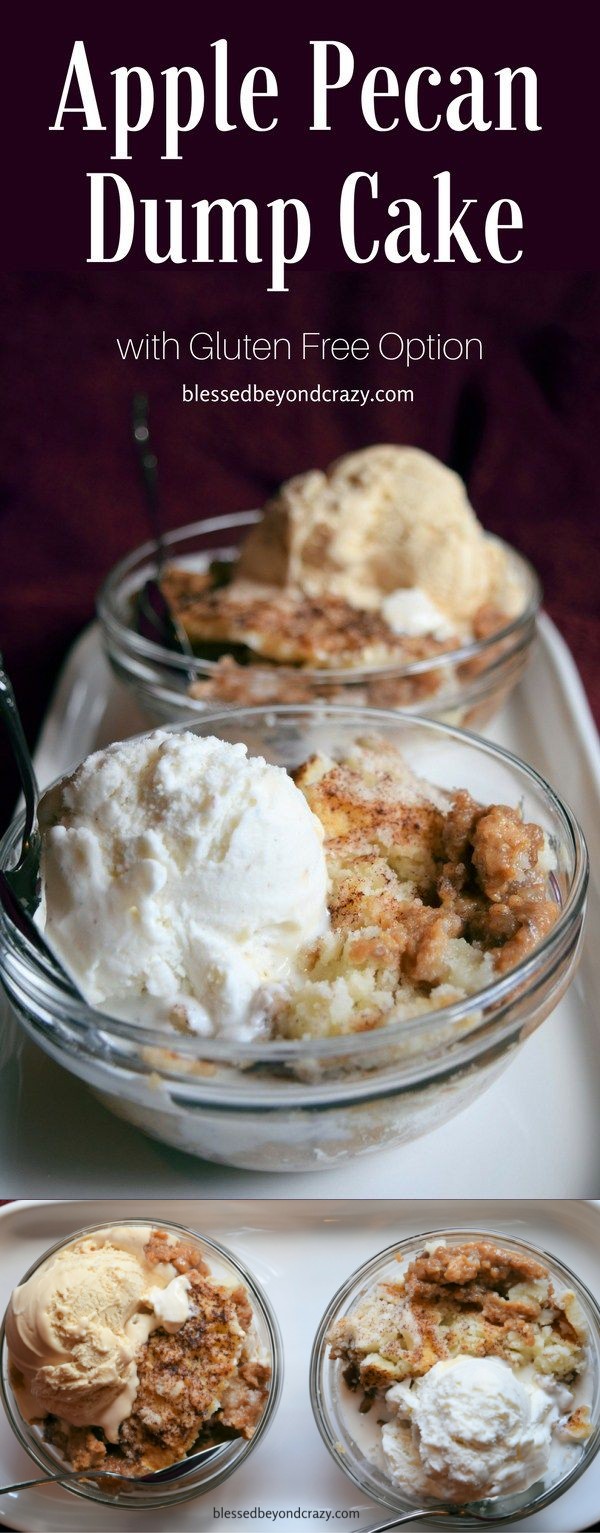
{"type": "Point", "coordinates": [537, 1128]}
{"type": "Point", "coordinates": [301, 1253]}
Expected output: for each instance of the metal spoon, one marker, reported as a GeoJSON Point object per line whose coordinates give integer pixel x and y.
{"type": "Point", "coordinates": [24, 878]}
{"type": "Point", "coordinates": [398, 1522]}
{"type": "Point", "coordinates": [155, 620]}
{"type": "Point", "coordinates": [475, 1519]}
{"type": "Point", "coordinates": [177, 1471]}
{"type": "Point", "coordinates": [20, 886]}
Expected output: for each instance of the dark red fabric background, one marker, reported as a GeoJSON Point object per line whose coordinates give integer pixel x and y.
{"type": "Point", "coordinates": [522, 426]}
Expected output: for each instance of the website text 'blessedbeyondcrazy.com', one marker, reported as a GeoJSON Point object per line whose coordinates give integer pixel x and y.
{"type": "Point", "coordinates": [255, 394]}
{"type": "Point", "coordinates": [286, 1514]}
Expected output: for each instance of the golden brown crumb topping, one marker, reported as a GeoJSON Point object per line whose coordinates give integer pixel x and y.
{"type": "Point", "coordinates": [478, 1299]}
{"type": "Point", "coordinates": [183, 1257]}
{"type": "Point", "coordinates": [430, 893]}
{"type": "Point", "coordinates": [261, 635]}
{"type": "Point", "coordinates": [496, 880]}
{"type": "Point", "coordinates": [182, 1378]}
{"type": "Point", "coordinates": [286, 626]}
{"type": "Point", "coordinates": [478, 1263]}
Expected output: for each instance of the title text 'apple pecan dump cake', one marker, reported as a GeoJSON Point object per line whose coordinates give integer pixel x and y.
{"type": "Point", "coordinates": [189, 884]}
{"type": "Point", "coordinates": [127, 1351]}
{"type": "Point", "coordinates": [377, 563]}
{"type": "Point", "coordinates": [466, 1367]}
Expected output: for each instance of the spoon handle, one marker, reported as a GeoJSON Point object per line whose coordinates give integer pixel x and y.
{"type": "Point", "coordinates": [148, 466]}
{"type": "Point", "coordinates": [404, 1517]}
{"type": "Point", "coordinates": [58, 1479]}
{"type": "Point", "coordinates": [12, 719]}
{"type": "Point", "coordinates": [173, 1471]}
{"type": "Point", "coordinates": [20, 917]}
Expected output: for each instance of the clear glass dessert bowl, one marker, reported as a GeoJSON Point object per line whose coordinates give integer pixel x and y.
{"type": "Point", "coordinates": [464, 686]}
{"type": "Point", "coordinates": [353, 1446]}
{"type": "Point", "coordinates": [232, 1454]}
{"type": "Point", "coordinates": [309, 1103]}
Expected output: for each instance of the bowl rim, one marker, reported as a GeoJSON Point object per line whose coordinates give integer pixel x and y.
{"type": "Point", "coordinates": [22, 1429]}
{"type": "Point", "coordinates": [146, 650]}
{"type": "Point", "coordinates": [319, 1358]}
{"type": "Point", "coordinates": [500, 990]}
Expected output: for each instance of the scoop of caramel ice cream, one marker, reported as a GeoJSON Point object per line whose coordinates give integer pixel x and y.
{"type": "Point", "coordinates": [378, 520]}
{"type": "Point", "coordinates": [74, 1328]}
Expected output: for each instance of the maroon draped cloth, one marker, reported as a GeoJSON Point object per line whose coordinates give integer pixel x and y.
{"type": "Point", "coordinates": [521, 426]}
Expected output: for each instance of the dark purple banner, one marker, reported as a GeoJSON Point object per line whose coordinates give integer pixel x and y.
{"type": "Point", "coordinates": [425, 137]}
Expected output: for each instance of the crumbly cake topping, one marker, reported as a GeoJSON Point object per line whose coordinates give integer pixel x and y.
{"type": "Point", "coordinates": [431, 894]}
{"type": "Point", "coordinates": [287, 627]}
{"type": "Point", "coordinates": [264, 640]}
{"type": "Point", "coordinates": [205, 1381]}
{"type": "Point", "coordinates": [476, 1299]}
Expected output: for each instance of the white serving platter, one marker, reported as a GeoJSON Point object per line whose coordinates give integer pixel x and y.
{"type": "Point", "coordinates": [535, 1132]}
{"type": "Point", "coordinates": [301, 1252]}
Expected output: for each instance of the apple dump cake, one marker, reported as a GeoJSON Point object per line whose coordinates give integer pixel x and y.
{"type": "Point", "coordinates": [374, 565]}
{"type": "Point", "coordinates": [469, 1366]}
{"type": "Point", "coordinates": [187, 883]}
{"type": "Point", "coordinates": [128, 1351]}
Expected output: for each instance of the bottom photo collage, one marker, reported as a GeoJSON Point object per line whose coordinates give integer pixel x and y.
{"type": "Point", "coordinates": [187, 1364]}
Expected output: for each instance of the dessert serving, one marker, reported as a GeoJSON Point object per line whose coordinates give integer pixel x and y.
{"type": "Point", "coordinates": [375, 575]}
{"type": "Point", "coordinates": [128, 1349]}
{"type": "Point", "coordinates": [296, 934]}
{"type": "Point", "coordinates": [462, 1371]}
{"type": "Point", "coordinates": [187, 882]}
{"type": "Point", "coordinates": [380, 560]}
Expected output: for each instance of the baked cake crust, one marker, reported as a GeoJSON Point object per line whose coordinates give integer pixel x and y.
{"type": "Point", "coordinates": [476, 1299]}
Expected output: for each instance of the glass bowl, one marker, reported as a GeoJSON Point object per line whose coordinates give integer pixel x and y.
{"type": "Point", "coordinates": [465, 686]}
{"type": "Point", "coordinates": [296, 1105]}
{"type": "Point", "coordinates": [207, 1475]}
{"type": "Point", "coordinates": [335, 1423]}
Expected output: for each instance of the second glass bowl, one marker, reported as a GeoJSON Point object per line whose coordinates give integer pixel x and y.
{"type": "Point", "coordinates": [464, 686]}
{"type": "Point", "coordinates": [207, 1475]}
{"type": "Point", "coordinates": [334, 1419]}
{"type": "Point", "coordinates": [309, 1104]}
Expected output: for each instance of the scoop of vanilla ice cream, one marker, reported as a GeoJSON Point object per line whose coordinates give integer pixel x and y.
{"type": "Point", "coordinates": [411, 611]}
{"type": "Point", "coordinates": [471, 1428]}
{"type": "Point", "coordinates": [74, 1328]}
{"type": "Point", "coordinates": [180, 879]}
{"type": "Point", "coordinates": [381, 518]}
